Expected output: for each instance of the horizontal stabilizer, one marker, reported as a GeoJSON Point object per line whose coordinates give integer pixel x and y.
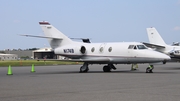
{"type": "Point", "coordinates": [44, 23]}
{"type": "Point", "coordinates": [40, 36]}
{"type": "Point", "coordinates": [153, 45]}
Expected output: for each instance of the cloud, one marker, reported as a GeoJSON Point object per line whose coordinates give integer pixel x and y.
{"type": "Point", "coordinates": [176, 28]}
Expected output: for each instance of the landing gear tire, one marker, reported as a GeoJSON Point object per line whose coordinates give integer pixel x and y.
{"type": "Point", "coordinates": [83, 69]}
{"type": "Point", "coordinates": [151, 71]}
{"type": "Point", "coordinates": [106, 69]}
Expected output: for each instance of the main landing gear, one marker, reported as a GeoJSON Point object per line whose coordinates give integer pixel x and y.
{"type": "Point", "coordinates": [107, 68]}
{"type": "Point", "coordinates": [84, 68]}
{"type": "Point", "coordinates": [149, 69]}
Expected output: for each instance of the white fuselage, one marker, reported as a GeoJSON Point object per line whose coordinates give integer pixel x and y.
{"type": "Point", "coordinates": [116, 52]}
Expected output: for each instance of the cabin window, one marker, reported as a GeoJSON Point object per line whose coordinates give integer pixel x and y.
{"type": "Point", "coordinates": [92, 49]}
{"type": "Point", "coordinates": [131, 47]}
{"type": "Point", "coordinates": [101, 49]}
{"type": "Point", "coordinates": [110, 49]}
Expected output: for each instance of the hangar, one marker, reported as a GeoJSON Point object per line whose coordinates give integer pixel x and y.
{"type": "Point", "coordinates": [44, 53]}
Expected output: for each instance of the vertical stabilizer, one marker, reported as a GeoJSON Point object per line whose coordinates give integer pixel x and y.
{"type": "Point", "coordinates": [57, 38]}
{"type": "Point", "coordinates": [154, 37]}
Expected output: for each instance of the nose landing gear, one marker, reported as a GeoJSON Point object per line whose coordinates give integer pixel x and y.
{"type": "Point", "coordinates": [149, 69]}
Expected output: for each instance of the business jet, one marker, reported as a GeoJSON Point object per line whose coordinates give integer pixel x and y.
{"type": "Point", "coordinates": [99, 53]}
{"type": "Point", "coordinates": [158, 44]}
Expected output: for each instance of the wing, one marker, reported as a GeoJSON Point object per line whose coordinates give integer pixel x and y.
{"type": "Point", "coordinates": [89, 60]}
{"type": "Point", "coordinates": [153, 45]}
{"type": "Point", "coordinates": [92, 60]}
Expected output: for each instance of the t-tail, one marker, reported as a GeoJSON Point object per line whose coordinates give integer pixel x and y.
{"type": "Point", "coordinates": [55, 37]}
{"type": "Point", "coordinates": [154, 37]}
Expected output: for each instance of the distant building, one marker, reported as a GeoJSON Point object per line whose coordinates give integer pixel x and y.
{"type": "Point", "coordinates": [8, 57]}
{"type": "Point", "coordinates": [20, 53]}
{"type": "Point", "coordinates": [42, 53]}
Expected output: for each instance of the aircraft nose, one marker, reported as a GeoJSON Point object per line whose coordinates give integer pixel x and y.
{"type": "Point", "coordinates": [167, 57]}
{"type": "Point", "coordinates": [163, 56]}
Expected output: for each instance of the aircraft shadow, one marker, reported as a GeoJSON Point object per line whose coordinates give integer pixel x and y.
{"type": "Point", "coordinates": [173, 68]}
{"type": "Point", "coordinates": [120, 72]}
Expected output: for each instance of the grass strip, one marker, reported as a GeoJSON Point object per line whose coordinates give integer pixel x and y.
{"type": "Point", "coordinates": [35, 62]}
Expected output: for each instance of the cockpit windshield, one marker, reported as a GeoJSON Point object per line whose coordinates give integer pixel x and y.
{"type": "Point", "coordinates": [141, 47]}
{"type": "Point", "coordinates": [137, 47]}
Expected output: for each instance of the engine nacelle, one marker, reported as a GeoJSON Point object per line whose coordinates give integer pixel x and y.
{"type": "Point", "coordinates": [83, 49]}
{"type": "Point", "coordinates": [71, 51]}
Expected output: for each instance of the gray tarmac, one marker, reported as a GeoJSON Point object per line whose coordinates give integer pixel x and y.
{"type": "Point", "coordinates": [65, 83]}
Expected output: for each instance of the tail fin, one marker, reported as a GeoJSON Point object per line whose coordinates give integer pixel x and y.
{"type": "Point", "coordinates": [154, 37]}
{"type": "Point", "coordinates": [57, 38]}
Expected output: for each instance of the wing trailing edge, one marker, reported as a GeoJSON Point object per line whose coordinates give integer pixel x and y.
{"type": "Point", "coordinates": [93, 60]}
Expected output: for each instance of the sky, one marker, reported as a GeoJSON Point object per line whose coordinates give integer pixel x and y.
{"type": "Point", "coordinates": [99, 20]}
